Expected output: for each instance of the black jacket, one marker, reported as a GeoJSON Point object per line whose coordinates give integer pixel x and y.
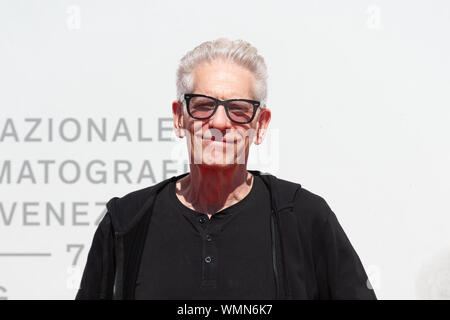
{"type": "Point", "coordinates": [312, 258]}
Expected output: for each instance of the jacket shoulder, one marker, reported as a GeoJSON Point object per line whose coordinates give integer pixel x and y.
{"type": "Point", "coordinates": [304, 201]}
{"type": "Point", "coordinates": [282, 191]}
{"type": "Point", "coordinates": [312, 206]}
{"type": "Point", "coordinates": [126, 209]}
{"type": "Point", "coordinates": [308, 207]}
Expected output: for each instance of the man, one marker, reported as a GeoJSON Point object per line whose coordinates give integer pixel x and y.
{"type": "Point", "coordinates": [222, 231]}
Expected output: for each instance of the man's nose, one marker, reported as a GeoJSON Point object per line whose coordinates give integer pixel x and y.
{"type": "Point", "coordinates": [220, 119]}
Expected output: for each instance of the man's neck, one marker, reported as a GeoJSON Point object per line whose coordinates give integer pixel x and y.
{"type": "Point", "coordinates": [209, 190]}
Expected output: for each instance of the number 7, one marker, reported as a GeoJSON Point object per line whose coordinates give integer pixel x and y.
{"type": "Point", "coordinates": [79, 248]}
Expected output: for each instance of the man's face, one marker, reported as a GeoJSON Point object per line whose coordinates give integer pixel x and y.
{"type": "Point", "coordinates": [218, 141]}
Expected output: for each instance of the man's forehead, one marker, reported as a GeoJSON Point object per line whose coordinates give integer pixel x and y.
{"type": "Point", "coordinates": [223, 83]}
{"type": "Point", "coordinates": [224, 94]}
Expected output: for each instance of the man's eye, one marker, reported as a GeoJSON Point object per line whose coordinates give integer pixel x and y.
{"type": "Point", "coordinates": [204, 106]}
{"type": "Point", "coordinates": [239, 109]}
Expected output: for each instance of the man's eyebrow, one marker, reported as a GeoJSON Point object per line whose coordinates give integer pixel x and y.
{"type": "Point", "coordinates": [233, 97]}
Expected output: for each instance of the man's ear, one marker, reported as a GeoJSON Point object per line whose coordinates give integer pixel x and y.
{"type": "Point", "coordinates": [178, 118]}
{"type": "Point", "coordinates": [262, 124]}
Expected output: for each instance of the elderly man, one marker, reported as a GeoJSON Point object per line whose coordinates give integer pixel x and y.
{"type": "Point", "coordinates": [222, 231]}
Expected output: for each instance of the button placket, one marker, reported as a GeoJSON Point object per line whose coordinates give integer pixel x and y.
{"type": "Point", "coordinates": [209, 249]}
{"type": "Point", "coordinates": [202, 220]}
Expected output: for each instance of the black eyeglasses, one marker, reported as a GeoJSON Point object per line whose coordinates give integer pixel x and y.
{"type": "Point", "coordinates": [203, 107]}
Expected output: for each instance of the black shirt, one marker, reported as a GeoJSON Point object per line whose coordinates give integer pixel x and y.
{"type": "Point", "coordinates": [190, 256]}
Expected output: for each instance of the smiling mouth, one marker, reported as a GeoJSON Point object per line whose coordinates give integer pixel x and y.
{"type": "Point", "coordinates": [213, 139]}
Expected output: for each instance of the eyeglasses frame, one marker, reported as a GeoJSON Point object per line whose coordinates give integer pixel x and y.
{"type": "Point", "coordinates": [189, 96]}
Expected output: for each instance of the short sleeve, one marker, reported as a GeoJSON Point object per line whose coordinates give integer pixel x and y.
{"type": "Point", "coordinates": [95, 282]}
{"type": "Point", "coordinates": [341, 274]}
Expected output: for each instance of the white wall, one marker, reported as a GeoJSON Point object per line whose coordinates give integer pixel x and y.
{"type": "Point", "coordinates": [359, 92]}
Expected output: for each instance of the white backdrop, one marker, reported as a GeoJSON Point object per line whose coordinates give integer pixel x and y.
{"type": "Point", "coordinates": [360, 97]}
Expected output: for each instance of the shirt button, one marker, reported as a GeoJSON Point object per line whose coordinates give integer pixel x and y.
{"type": "Point", "coordinates": [208, 237]}
{"type": "Point", "coordinates": [201, 220]}
{"type": "Point", "coordinates": [208, 259]}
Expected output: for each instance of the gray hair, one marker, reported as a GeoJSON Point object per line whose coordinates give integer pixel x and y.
{"type": "Point", "coordinates": [237, 51]}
